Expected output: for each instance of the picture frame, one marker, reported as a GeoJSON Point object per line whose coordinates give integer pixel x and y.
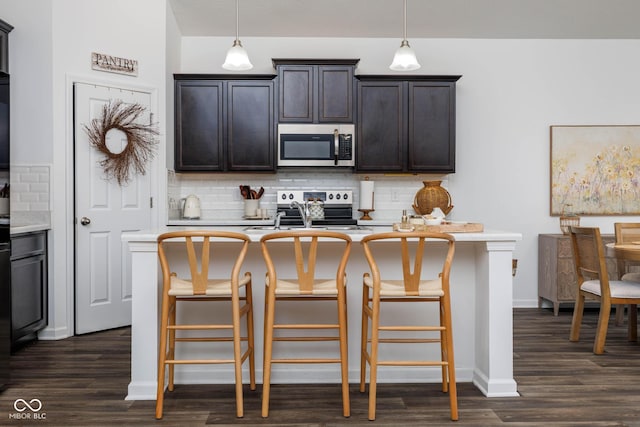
{"type": "Point", "coordinates": [595, 170]}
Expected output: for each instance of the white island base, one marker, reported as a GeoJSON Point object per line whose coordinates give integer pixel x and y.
{"type": "Point", "coordinates": [481, 284]}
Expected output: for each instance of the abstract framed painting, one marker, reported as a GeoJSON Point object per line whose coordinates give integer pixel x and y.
{"type": "Point", "coordinates": [595, 170]}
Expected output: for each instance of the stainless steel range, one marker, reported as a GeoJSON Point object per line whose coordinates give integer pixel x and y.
{"type": "Point", "coordinates": [337, 204]}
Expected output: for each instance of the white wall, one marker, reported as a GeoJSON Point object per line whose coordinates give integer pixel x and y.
{"type": "Point", "coordinates": [510, 93]}
{"type": "Point", "coordinates": [50, 48]}
{"type": "Point", "coordinates": [30, 64]}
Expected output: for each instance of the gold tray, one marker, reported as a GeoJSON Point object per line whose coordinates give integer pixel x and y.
{"type": "Point", "coordinates": [467, 227]}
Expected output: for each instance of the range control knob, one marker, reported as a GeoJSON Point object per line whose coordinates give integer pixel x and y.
{"type": "Point", "coordinates": [346, 196]}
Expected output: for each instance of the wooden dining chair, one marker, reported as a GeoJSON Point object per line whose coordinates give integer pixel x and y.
{"type": "Point", "coordinates": [204, 279]}
{"type": "Point", "coordinates": [295, 275]}
{"type": "Point", "coordinates": [626, 232]}
{"type": "Point", "coordinates": [593, 283]}
{"type": "Point", "coordinates": [412, 287]}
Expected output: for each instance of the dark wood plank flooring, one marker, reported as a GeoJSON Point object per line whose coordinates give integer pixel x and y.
{"type": "Point", "coordinates": [82, 381]}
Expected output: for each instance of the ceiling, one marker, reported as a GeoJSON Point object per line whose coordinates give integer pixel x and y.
{"type": "Point", "coordinates": [590, 19]}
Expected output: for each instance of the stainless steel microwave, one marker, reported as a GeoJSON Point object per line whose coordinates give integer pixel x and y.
{"type": "Point", "coordinates": [331, 145]}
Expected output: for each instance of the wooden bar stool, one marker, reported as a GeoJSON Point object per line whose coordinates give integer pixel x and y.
{"type": "Point", "coordinates": [412, 287]}
{"type": "Point", "coordinates": [198, 287]}
{"type": "Point", "coordinates": [309, 283]}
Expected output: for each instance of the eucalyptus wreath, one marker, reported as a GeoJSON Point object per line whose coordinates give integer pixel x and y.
{"type": "Point", "coordinates": [141, 140]}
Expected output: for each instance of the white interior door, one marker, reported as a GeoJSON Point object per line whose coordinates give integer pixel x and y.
{"type": "Point", "coordinates": [103, 211]}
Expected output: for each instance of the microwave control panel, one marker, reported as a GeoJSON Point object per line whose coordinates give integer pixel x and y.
{"type": "Point", "coordinates": [344, 147]}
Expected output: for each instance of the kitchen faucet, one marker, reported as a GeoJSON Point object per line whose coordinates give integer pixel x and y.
{"type": "Point", "coordinates": [279, 216]}
{"type": "Point", "coordinates": [304, 212]}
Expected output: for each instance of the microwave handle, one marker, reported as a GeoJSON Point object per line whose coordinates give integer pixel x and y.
{"type": "Point", "coordinates": [336, 143]}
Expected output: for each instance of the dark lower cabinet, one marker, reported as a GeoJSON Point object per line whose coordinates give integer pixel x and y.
{"type": "Point", "coordinates": [224, 123]}
{"type": "Point", "coordinates": [28, 287]}
{"type": "Point", "coordinates": [5, 311]}
{"type": "Point", "coordinates": [406, 124]}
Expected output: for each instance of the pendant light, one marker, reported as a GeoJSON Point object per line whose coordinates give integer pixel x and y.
{"type": "Point", "coordinates": [237, 58]}
{"type": "Point", "coordinates": [405, 58]}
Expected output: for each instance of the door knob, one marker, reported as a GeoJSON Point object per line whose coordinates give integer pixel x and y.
{"type": "Point", "coordinates": [85, 221]}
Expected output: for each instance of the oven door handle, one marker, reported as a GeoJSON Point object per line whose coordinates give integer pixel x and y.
{"type": "Point", "coordinates": [336, 145]}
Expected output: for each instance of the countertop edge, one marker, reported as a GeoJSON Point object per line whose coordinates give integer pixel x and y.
{"type": "Point", "coordinates": [151, 235]}
{"type": "Point", "coordinates": [31, 228]}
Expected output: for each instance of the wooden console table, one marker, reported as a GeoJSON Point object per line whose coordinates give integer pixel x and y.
{"type": "Point", "coordinates": [556, 271]}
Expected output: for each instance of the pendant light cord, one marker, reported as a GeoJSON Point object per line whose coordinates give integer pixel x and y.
{"type": "Point", "coordinates": [405, 21]}
{"type": "Point", "coordinates": [238, 20]}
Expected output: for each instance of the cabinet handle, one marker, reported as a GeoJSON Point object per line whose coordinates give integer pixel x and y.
{"type": "Point", "coordinates": [336, 145]}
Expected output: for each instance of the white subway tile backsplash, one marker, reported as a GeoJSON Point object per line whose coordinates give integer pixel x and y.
{"type": "Point", "coordinates": [220, 194]}
{"type": "Point", "coordinates": [30, 188]}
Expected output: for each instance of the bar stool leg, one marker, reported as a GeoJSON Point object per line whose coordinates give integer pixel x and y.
{"type": "Point", "coordinates": [373, 375]}
{"type": "Point", "coordinates": [451, 370]}
{"type": "Point", "coordinates": [250, 338]}
{"type": "Point", "coordinates": [172, 340]}
{"type": "Point", "coordinates": [344, 362]}
{"type": "Point", "coordinates": [268, 350]}
{"type": "Point", "coordinates": [162, 354]}
{"type": "Point", "coordinates": [237, 352]}
{"type": "Point", "coordinates": [364, 337]}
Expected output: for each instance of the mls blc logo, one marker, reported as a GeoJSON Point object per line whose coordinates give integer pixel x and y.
{"type": "Point", "coordinates": [28, 410]}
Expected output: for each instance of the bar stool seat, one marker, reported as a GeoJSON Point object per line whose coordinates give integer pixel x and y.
{"type": "Point", "coordinates": [182, 287]}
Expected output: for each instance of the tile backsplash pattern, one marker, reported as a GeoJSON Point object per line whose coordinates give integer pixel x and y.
{"type": "Point", "coordinates": [30, 188]}
{"type": "Point", "coordinates": [220, 195]}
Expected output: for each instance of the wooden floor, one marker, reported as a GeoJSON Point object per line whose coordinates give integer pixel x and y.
{"type": "Point", "coordinates": [83, 380]}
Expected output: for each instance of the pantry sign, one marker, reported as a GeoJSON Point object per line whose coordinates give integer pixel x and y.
{"type": "Point", "coordinates": [114, 64]}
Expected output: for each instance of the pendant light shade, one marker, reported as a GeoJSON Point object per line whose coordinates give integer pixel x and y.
{"type": "Point", "coordinates": [237, 58]}
{"type": "Point", "coordinates": [405, 58]}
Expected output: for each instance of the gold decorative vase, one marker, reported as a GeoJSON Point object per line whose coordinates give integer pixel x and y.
{"type": "Point", "coordinates": [432, 195]}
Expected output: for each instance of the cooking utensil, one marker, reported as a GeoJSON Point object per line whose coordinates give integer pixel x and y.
{"type": "Point", "coordinates": [260, 192]}
{"type": "Point", "coordinates": [244, 190]}
{"type": "Point", "coordinates": [254, 194]}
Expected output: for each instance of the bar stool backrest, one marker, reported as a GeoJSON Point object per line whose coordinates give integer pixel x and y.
{"type": "Point", "coordinates": [412, 275]}
{"type": "Point", "coordinates": [308, 274]}
{"type": "Point", "coordinates": [199, 255]}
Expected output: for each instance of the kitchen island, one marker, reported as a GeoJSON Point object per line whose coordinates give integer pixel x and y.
{"type": "Point", "coordinates": [481, 284]}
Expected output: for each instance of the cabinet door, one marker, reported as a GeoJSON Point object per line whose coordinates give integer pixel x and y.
{"type": "Point", "coordinates": [199, 126]}
{"type": "Point", "coordinates": [296, 83]}
{"type": "Point", "coordinates": [335, 94]}
{"type": "Point", "coordinates": [250, 126]}
{"type": "Point", "coordinates": [431, 127]}
{"type": "Point", "coordinates": [381, 129]}
{"type": "Point", "coordinates": [4, 122]}
{"type": "Point", "coordinates": [28, 286]}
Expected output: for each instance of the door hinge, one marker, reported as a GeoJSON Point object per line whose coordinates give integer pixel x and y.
{"type": "Point", "coordinates": [151, 202]}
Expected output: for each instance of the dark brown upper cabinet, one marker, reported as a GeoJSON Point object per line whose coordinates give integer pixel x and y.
{"type": "Point", "coordinates": [5, 29]}
{"type": "Point", "coordinates": [406, 124]}
{"type": "Point", "coordinates": [224, 123]}
{"type": "Point", "coordinates": [315, 91]}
